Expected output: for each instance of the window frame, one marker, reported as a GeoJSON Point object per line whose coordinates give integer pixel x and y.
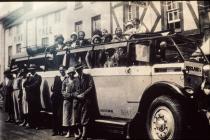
{"type": "Point", "coordinates": [78, 23]}
{"type": "Point", "coordinates": [45, 41]}
{"type": "Point", "coordinates": [94, 20]}
{"type": "Point", "coordinates": [173, 7]}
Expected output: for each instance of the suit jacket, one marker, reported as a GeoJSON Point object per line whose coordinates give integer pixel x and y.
{"type": "Point", "coordinates": [84, 86]}
{"type": "Point", "coordinates": [57, 86]}
{"type": "Point", "coordinates": [33, 88]}
{"type": "Point", "coordinates": [68, 88]}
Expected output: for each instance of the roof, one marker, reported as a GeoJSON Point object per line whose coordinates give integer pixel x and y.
{"type": "Point", "coordinates": [40, 12]}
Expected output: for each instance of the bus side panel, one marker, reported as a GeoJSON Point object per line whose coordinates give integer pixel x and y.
{"type": "Point", "coordinates": [47, 82]}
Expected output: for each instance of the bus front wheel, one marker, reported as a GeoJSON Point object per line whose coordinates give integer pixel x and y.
{"type": "Point", "coordinates": [164, 119]}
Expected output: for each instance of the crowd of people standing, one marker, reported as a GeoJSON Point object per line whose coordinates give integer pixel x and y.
{"type": "Point", "coordinates": [71, 100]}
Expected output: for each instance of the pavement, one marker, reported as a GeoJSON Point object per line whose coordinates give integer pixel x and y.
{"type": "Point", "coordinates": [9, 131]}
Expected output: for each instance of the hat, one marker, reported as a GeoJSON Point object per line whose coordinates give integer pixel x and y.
{"type": "Point", "coordinates": [129, 23]}
{"type": "Point", "coordinates": [58, 37]}
{"type": "Point", "coordinates": [74, 33]}
{"type": "Point", "coordinates": [96, 36]}
{"type": "Point", "coordinates": [71, 70]}
{"type": "Point", "coordinates": [79, 66]}
{"type": "Point", "coordinates": [32, 67]}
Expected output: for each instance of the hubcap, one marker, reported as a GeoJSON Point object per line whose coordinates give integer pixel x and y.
{"type": "Point", "coordinates": [162, 123]}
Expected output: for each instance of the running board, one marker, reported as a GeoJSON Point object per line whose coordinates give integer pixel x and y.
{"type": "Point", "coordinates": [114, 122]}
{"type": "Point", "coordinates": [117, 126]}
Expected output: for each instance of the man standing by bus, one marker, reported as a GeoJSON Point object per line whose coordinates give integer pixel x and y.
{"type": "Point", "coordinates": [34, 103]}
{"type": "Point", "coordinates": [84, 86]}
{"type": "Point", "coordinates": [7, 89]}
{"type": "Point", "coordinates": [57, 102]}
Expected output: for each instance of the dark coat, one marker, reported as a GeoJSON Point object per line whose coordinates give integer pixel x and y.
{"type": "Point", "coordinates": [56, 97]}
{"type": "Point", "coordinates": [84, 87]}
{"type": "Point", "coordinates": [7, 92]}
{"type": "Point", "coordinates": [33, 88]}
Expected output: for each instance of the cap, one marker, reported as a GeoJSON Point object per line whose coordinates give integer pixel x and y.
{"type": "Point", "coordinates": [71, 70]}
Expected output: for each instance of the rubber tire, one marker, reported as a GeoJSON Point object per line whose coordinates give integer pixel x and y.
{"type": "Point", "coordinates": [175, 107]}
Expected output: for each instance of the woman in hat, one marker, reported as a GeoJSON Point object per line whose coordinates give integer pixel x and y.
{"type": "Point", "coordinates": [67, 90]}
{"type": "Point", "coordinates": [119, 35]}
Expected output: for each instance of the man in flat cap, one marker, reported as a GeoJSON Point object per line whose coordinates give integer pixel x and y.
{"type": "Point", "coordinates": [34, 102]}
{"type": "Point", "coordinates": [84, 88]}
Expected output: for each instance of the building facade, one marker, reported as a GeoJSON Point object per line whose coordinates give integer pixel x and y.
{"type": "Point", "coordinates": [39, 27]}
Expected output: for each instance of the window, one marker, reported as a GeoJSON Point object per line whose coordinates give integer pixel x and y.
{"type": "Point", "coordinates": [78, 5]}
{"type": "Point", "coordinates": [111, 57]}
{"type": "Point", "coordinates": [96, 23]}
{"type": "Point", "coordinates": [58, 17]}
{"type": "Point", "coordinates": [18, 48]}
{"type": "Point", "coordinates": [132, 12]}
{"type": "Point", "coordinates": [166, 52]}
{"type": "Point", "coordinates": [78, 26]}
{"type": "Point", "coordinates": [173, 15]}
{"type": "Point", "coordinates": [45, 42]}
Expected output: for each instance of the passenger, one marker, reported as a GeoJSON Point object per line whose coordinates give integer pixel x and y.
{"type": "Point", "coordinates": [7, 89]}
{"type": "Point", "coordinates": [129, 28]}
{"type": "Point", "coordinates": [106, 37]}
{"type": "Point", "coordinates": [71, 44]}
{"type": "Point", "coordinates": [161, 52]}
{"type": "Point", "coordinates": [96, 39]}
{"type": "Point", "coordinates": [119, 35]}
{"type": "Point", "coordinates": [119, 57]}
{"type": "Point", "coordinates": [67, 91]}
{"type": "Point", "coordinates": [17, 98]}
{"type": "Point", "coordinates": [81, 41]}
{"type": "Point", "coordinates": [138, 27]}
{"type": "Point", "coordinates": [57, 102]}
{"type": "Point", "coordinates": [84, 86]}
{"type": "Point", "coordinates": [34, 102]}
{"type": "Point", "coordinates": [73, 40]}
{"type": "Point", "coordinates": [97, 32]}
{"type": "Point", "coordinates": [24, 99]}
{"type": "Point", "coordinates": [59, 40]}
{"type": "Point", "coordinates": [109, 62]}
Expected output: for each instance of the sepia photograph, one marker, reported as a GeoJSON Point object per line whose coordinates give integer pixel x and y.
{"type": "Point", "coordinates": [105, 70]}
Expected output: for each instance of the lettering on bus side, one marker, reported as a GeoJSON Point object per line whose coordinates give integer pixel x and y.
{"type": "Point", "coordinates": [106, 110]}
{"type": "Point", "coordinates": [191, 68]}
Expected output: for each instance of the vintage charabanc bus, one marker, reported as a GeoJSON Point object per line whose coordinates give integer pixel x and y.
{"type": "Point", "coordinates": [150, 84]}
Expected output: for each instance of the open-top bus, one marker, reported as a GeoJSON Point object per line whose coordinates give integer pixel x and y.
{"type": "Point", "coordinates": [140, 88]}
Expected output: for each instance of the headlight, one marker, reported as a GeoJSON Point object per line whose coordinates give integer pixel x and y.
{"type": "Point", "coordinates": [188, 91]}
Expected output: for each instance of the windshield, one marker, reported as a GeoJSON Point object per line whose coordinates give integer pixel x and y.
{"type": "Point", "coordinates": [190, 50]}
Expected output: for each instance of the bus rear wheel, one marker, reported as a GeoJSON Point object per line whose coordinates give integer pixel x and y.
{"type": "Point", "coordinates": [164, 119]}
